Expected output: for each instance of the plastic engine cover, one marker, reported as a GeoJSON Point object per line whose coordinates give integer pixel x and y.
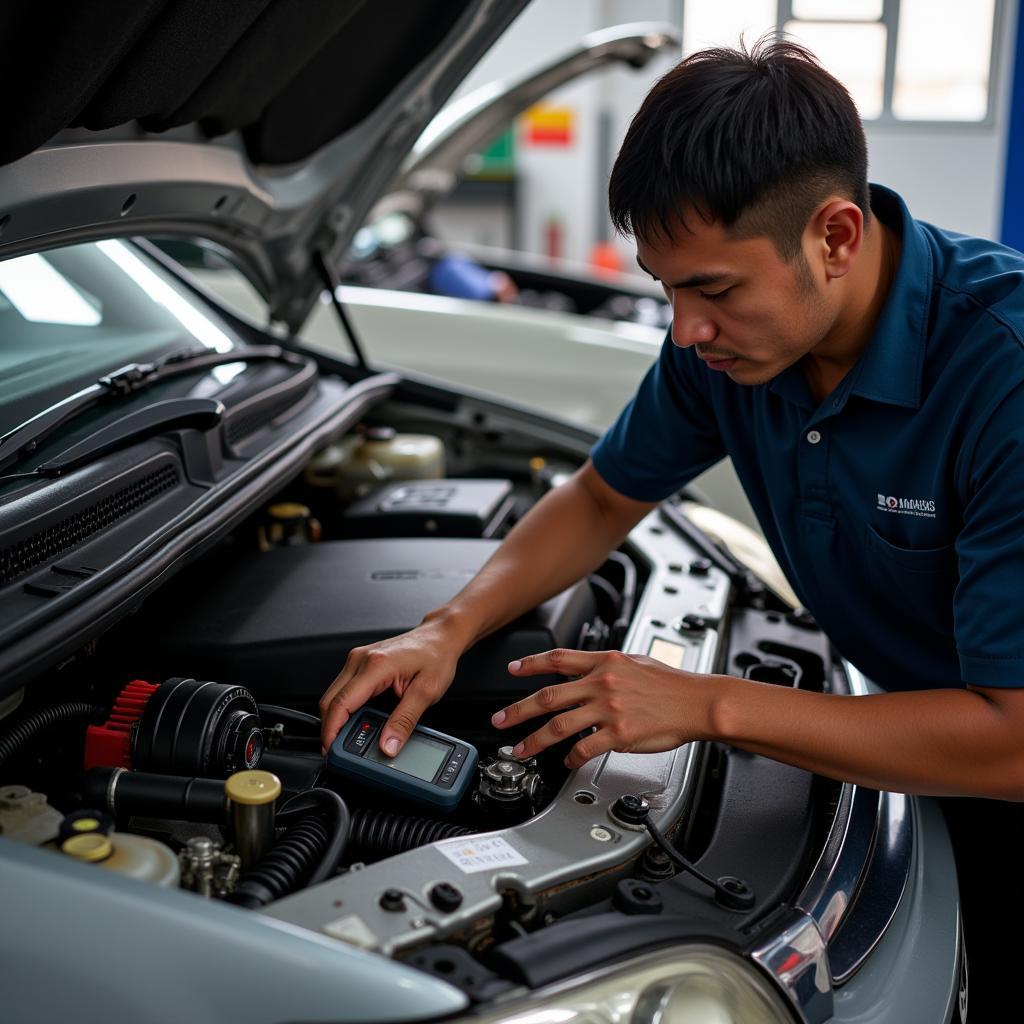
{"type": "Point", "coordinates": [282, 623]}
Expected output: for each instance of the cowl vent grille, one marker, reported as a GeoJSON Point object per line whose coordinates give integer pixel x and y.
{"type": "Point", "coordinates": [44, 545]}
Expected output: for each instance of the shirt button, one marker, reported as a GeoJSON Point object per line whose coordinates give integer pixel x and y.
{"type": "Point", "coordinates": [814, 436]}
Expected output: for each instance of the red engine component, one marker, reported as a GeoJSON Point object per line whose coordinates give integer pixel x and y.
{"type": "Point", "coordinates": [110, 745]}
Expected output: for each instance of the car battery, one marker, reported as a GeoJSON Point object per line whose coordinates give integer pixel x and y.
{"type": "Point", "coordinates": [433, 508]}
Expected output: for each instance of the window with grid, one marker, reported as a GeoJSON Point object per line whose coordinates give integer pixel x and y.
{"type": "Point", "coordinates": [902, 60]}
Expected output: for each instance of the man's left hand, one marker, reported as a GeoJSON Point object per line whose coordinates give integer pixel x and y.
{"type": "Point", "coordinates": [635, 704]}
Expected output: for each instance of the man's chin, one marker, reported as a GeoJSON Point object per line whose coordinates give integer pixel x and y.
{"type": "Point", "coordinates": [749, 374]}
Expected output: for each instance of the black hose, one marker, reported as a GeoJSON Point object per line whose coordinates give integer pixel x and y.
{"type": "Point", "coordinates": [608, 589]}
{"type": "Point", "coordinates": [308, 852]}
{"type": "Point", "coordinates": [286, 867]}
{"type": "Point", "coordinates": [378, 834]}
{"type": "Point", "coordinates": [73, 712]}
{"type": "Point", "coordinates": [338, 809]}
{"type": "Point", "coordinates": [625, 563]}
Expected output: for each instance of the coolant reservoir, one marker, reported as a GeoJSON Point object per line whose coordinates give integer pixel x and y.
{"type": "Point", "coordinates": [357, 464]}
{"type": "Point", "coordinates": [134, 856]}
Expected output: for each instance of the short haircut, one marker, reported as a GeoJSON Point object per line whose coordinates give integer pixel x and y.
{"type": "Point", "coordinates": [755, 139]}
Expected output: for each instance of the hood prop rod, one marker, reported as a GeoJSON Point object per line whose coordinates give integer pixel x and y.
{"type": "Point", "coordinates": [333, 286]}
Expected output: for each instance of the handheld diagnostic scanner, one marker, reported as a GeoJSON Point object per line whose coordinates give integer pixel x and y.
{"type": "Point", "coordinates": [432, 768]}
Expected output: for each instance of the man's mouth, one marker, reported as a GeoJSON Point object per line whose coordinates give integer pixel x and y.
{"type": "Point", "coordinates": [718, 360]}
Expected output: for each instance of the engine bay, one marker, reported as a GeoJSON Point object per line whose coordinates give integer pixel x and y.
{"type": "Point", "coordinates": [182, 746]}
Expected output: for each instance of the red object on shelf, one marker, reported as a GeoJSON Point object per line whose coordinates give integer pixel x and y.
{"type": "Point", "coordinates": [110, 745]}
{"type": "Point", "coordinates": [605, 258]}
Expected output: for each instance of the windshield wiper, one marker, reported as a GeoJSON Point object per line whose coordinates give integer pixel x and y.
{"type": "Point", "coordinates": [26, 438]}
{"type": "Point", "coordinates": [173, 414]}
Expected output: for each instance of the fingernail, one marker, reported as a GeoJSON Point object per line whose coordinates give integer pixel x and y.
{"type": "Point", "coordinates": [391, 746]}
{"type": "Point", "coordinates": [517, 749]}
{"type": "Point", "coordinates": [514, 666]}
{"type": "Point", "coordinates": [323, 751]}
{"type": "Point", "coordinates": [497, 718]}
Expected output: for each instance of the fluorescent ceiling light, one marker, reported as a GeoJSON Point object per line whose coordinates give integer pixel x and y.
{"type": "Point", "coordinates": [41, 294]}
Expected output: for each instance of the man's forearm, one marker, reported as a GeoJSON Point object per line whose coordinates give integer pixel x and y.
{"type": "Point", "coordinates": [930, 742]}
{"type": "Point", "coordinates": [565, 536]}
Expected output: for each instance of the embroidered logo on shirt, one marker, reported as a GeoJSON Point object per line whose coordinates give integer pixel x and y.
{"type": "Point", "coordinates": [907, 506]}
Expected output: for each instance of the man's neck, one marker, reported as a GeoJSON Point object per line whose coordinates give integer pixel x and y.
{"type": "Point", "coordinates": [867, 286]}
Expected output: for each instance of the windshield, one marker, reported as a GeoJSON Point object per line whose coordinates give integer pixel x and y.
{"type": "Point", "coordinates": [71, 315]}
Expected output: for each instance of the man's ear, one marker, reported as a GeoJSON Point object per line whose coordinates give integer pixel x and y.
{"type": "Point", "coordinates": [836, 233]}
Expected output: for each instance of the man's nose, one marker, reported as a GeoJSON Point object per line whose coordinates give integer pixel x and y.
{"type": "Point", "coordinates": [689, 328]}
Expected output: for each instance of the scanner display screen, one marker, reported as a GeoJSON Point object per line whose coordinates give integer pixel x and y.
{"type": "Point", "coordinates": [420, 757]}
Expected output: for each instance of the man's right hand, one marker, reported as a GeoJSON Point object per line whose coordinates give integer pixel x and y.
{"type": "Point", "coordinates": [419, 666]}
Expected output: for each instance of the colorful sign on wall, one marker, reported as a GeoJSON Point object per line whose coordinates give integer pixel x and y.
{"type": "Point", "coordinates": [549, 125]}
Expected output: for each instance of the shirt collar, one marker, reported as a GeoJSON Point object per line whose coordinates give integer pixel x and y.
{"type": "Point", "coordinates": [891, 367]}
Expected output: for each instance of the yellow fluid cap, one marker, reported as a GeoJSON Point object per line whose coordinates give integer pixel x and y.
{"type": "Point", "coordinates": [85, 824]}
{"type": "Point", "coordinates": [288, 510]}
{"type": "Point", "coordinates": [537, 463]}
{"type": "Point", "coordinates": [89, 846]}
{"type": "Point", "coordinates": [253, 787]}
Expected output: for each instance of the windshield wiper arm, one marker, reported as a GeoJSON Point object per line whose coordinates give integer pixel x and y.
{"type": "Point", "coordinates": [173, 414]}
{"type": "Point", "coordinates": [24, 439]}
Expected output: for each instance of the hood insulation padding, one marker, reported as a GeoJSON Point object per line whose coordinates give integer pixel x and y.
{"type": "Point", "coordinates": [291, 74]}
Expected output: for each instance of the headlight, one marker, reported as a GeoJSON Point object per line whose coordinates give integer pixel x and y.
{"type": "Point", "coordinates": [687, 985]}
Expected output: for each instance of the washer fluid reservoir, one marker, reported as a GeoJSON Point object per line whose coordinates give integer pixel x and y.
{"type": "Point", "coordinates": [358, 464]}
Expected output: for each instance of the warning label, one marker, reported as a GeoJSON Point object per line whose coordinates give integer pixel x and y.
{"type": "Point", "coordinates": [470, 854]}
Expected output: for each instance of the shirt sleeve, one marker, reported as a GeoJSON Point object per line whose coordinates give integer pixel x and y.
{"type": "Point", "coordinates": [666, 435]}
{"type": "Point", "coordinates": [988, 605]}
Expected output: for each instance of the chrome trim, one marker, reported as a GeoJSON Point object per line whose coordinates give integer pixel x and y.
{"type": "Point", "coordinates": [797, 958]}
{"type": "Point", "coordinates": [851, 895]}
{"type": "Point", "coordinates": [864, 866]}
{"type": "Point", "coordinates": [830, 890]}
{"type": "Point", "coordinates": [884, 881]}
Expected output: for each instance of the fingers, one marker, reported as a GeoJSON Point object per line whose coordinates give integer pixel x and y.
{"type": "Point", "coordinates": [559, 728]}
{"type": "Point", "coordinates": [551, 698]}
{"type": "Point", "coordinates": [560, 661]}
{"type": "Point", "coordinates": [589, 747]}
{"type": "Point", "coordinates": [401, 722]}
{"type": "Point", "coordinates": [362, 678]}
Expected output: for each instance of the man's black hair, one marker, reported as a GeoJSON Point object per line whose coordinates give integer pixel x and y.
{"type": "Point", "coordinates": [755, 139]}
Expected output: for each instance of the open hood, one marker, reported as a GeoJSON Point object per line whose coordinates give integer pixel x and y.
{"type": "Point", "coordinates": [437, 161]}
{"type": "Point", "coordinates": [268, 126]}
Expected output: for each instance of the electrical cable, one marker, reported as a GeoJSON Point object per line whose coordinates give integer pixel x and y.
{"type": "Point", "coordinates": [16, 736]}
{"type": "Point", "coordinates": [730, 892]}
{"type": "Point", "coordinates": [289, 715]}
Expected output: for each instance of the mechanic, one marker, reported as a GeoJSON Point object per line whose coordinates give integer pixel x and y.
{"type": "Point", "coordinates": [865, 373]}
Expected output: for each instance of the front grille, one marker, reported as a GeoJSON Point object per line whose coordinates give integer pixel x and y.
{"type": "Point", "coordinates": [51, 542]}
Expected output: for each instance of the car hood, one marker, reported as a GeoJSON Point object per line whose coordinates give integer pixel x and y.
{"type": "Point", "coordinates": [463, 127]}
{"type": "Point", "coordinates": [268, 126]}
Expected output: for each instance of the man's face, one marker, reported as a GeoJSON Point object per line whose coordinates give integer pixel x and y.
{"type": "Point", "coordinates": [748, 312]}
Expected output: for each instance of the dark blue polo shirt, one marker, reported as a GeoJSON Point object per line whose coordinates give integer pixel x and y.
{"type": "Point", "coordinates": [896, 506]}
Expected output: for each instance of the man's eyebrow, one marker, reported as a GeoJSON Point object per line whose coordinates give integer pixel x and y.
{"type": "Point", "coordinates": [693, 281]}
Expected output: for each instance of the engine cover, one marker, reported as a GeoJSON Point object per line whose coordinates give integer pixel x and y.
{"type": "Point", "coordinates": [282, 623]}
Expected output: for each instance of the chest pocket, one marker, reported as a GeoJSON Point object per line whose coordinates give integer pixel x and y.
{"type": "Point", "coordinates": [920, 581]}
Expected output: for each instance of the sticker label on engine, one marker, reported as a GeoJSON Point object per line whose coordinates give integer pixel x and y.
{"type": "Point", "coordinates": [470, 854]}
